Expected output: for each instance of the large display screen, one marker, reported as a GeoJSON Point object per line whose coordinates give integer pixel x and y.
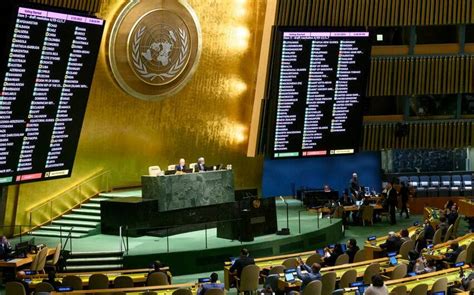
{"type": "Point", "coordinates": [318, 83]}
{"type": "Point", "coordinates": [51, 57]}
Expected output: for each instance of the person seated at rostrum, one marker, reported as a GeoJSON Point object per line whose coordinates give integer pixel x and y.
{"type": "Point", "coordinates": [213, 284]}
{"type": "Point", "coordinates": [158, 267]}
{"type": "Point", "coordinates": [352, 249]}
{"type": "Point", "coordinates": [392, 244]}
{"type": "Point", "coordinates": [200, 165]}
{"type": "Point", "coordinates": [332, 254]}
{"type": "Point", "coordinates": [181, 165]}
{"type": "Point", "coordinates": [239, 264]}
{"type": "Point", "coordinates": [310, 273]}
{"type": "Point", "coordinates": [377, 287]}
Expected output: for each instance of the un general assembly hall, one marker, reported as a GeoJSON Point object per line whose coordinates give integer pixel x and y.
{"type": "Point", "coordinates": [208, 147]}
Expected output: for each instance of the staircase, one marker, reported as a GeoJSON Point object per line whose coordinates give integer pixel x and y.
{"type": "Point", "coordinates": [83, 221]}
{"type": "Point", "coordinates": [94, 261]}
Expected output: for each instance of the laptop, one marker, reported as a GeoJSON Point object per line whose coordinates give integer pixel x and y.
{"type": "Point", "coordinates": [459, 264]}
{"type": "Point", "coordinates": [64, 289]}
{"type": "Point", "coordinates": [393, 260]}
{"type": "Point", "coordinates": [343, 247]}
{"type": "Point", "coordinates": [367, 191]}
{"type": "Point", "coordinates": [361, 289]}
{"type": "Point", "coordinates": [204, 280]}
{"type": "Point", "coordinates": [331, 246]}
{"type": "Point", "coordinates": [320, 251]}
{"type": "Point", "coordinates": [170, 172]}
{"type": "Point", "coordinates": [439, 293]}
{"type": "Point", "coordinates": [289, 276]}
{"type": "Point", "coordinates": [188, 170]}
{"type": "Point", "coordinates": [372, 238]}
{"type": "Point", "coordinates": [359, 203]}
{"type": "Point", "coordinates": [412, 274]}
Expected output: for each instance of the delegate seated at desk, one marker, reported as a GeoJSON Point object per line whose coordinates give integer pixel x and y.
{"type": "Point", "coordinates": [213, 284]}
{"type": "Point", "coordinates": [181, 166]}
{"type": "Point", "coordinates": [392, 244]}
{"type": "Point", "coordinates": [239, 264]}
{"type": "Point", "coordinates": [311, 273]}
{"type": "Point", "coordinates": [453, 253]}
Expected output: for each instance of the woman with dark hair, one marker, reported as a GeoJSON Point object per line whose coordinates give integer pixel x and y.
{"type": "Point", "coordinates": [377, 287]}
{"type": "Point", "coordinates": [333, 254]}
{"type": "Point", "coordinates": [352, 249]}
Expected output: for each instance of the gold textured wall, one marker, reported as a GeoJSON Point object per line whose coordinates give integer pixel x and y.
{"type": "Point", "coordinates": [210, 117]}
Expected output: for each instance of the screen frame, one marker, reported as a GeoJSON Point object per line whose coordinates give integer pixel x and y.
{"type": "Point", "coordinates": [13, 11]}
{"type": "Point", "coordinates": [272, 89]}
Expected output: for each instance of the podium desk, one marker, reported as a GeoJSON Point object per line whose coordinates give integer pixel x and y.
{"type": "Point", "coordinates": [188, 190]}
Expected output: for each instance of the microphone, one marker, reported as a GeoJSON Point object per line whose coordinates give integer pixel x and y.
{"type": "Point", "coordinates": [283, 200]}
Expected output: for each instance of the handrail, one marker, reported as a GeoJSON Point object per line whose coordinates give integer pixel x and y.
{"type": "Point", "coordinates": [68, 238]}
{"type": "Point", "coordinates": [75, 195]}
{"type": "Point", "coordinates": [123, 239]}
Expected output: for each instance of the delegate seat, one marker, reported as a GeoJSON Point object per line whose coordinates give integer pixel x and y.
{"type": "Point", "coordinates": [422, 189]}
{"type": "Point", "coordinates": [445, 186]}
{"type": "Point", "coordinates": [456, 185]}
{"type": "Point", "coordinates": [414, 181]}
{"type": "Point", "coordinates": [467, 184]}
{"type": "Point", "coordinates": [433, 189]}
{"type": "Point", "coordinates": [403, 179]}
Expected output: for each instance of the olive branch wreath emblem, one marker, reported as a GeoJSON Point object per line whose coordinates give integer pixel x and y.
{"type": "Point", "coordinates": [142, 69]}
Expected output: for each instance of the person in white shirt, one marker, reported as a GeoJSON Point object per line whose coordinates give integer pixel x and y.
{"type": "Point", "coordinates": [377, 288]}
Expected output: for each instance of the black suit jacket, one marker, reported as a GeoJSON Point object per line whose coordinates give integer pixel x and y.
{"type": "Point", "coordinates": [240, 263]}
{"type": "Point", "coordinates": [392, 197]}
{"type": "Point", "coordinates": [180, 168]}
{"type": "Point", "coordinates": [392, 244]}
{"type": "Point", "coordinates": [199, 167]}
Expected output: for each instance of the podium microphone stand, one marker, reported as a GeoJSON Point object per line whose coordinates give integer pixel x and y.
{"type": "Point", "coordinates": [285, 231]}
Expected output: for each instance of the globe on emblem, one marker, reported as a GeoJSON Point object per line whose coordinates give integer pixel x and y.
{"type": "Point", "coordinates": [154, 47]}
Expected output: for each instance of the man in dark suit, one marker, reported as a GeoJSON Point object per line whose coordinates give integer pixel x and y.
{"type": "Point", "coordinates": [404, 198]}
{"type": "Point", "coordinates": [241, 262]}
{"type": "Point", "coordinates": [200, 165]}
{"type": "Point", "coordinates": [454, 252]}
{"type": "Point", "coordinates": [212, 285]}
{"type": "Point", "coordinates": [352, 249]}
{"type": "Point", "coordinates": [392, 244]}
{"type": "Point", "coordinates": [392, 202]}
{"type": "Point", "coordinates": [181, 166]}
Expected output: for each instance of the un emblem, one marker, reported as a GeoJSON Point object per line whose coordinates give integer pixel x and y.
{"type": "Point", "coordinates": [154, 47]}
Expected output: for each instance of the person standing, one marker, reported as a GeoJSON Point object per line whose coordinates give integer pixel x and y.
{"type": "Point", "coordinates": [354, 187]}
{"type": "Point", "coordinates": [404, 199]}
{"type": "Point", "coordinates": [392, 202]}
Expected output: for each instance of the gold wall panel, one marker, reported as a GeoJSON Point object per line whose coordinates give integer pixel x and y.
{"type": "Point", "coordinates": [210, 117]}
{"type": "Point", "coordinates": [375, 12]}
{"type": "Point", "coordinates": [421, 135]}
